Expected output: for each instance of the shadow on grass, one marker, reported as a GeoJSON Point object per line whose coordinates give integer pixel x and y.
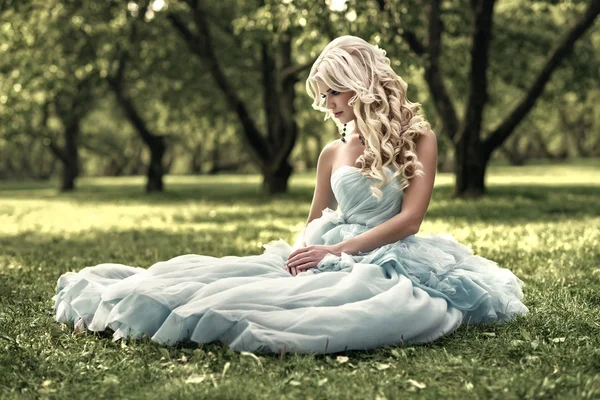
{"type": "Point", "coordinates": [59, 252]}
{"type": "Point", "coordinates": [132, 193]}
{"type": "Point", "coordinates": [502, 203]}
{"type": "Point", "coordinates": [508, 203]}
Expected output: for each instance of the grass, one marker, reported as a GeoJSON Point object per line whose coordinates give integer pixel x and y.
{"type": "Point", "coordinates": [541, 221]}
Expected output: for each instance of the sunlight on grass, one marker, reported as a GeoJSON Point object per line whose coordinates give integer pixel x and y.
{"type": "Point", "coordinates": [541, 221]}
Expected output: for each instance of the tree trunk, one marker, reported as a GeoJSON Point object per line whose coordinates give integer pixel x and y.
{"type": "Point", "coordinates": [470, 167]}
{"type": "Point", "coordinates": [69, 154]}
{"type": "Point", "coordinates": [195, 165]}
{"type": "Point", "coordinates": [215, 154]}
{"type": "Point", "coordinates": [156, 170]}
{"type": "Point", "coordinates": [71, 160]}
{"type": "Point", "coordinates": [270, 149]}
{"type": "Point", "coordinates": [276, 181]}
{"type": "Point", "coordinates": [68, 178]}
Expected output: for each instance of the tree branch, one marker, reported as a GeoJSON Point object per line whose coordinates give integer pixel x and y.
{"type": "Point", "coordinates": [414, 43]}
{"type": "Point", "coordinates": [293, 71]}
{"type": "Point", "coordinates": [562, 49]}
{"type": "Point", "coordinates": [188, 36]}
{"type": "Point", "coordinates": [226, 28]}
{"type": "Point", "coordinates": [433, 75]}
{"type": "Point", "coordinates": [202, 46]}
{"type": "Point", "coordinates": [117, 84]}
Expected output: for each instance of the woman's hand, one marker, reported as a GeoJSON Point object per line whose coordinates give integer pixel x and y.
{"type": "Point", "coordinates": [306, 258]}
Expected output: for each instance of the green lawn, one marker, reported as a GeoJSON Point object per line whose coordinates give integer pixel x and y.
{"type": "Point", "coordinates": [542, 222]}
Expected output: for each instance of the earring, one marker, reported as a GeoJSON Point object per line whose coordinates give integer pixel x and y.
{"type": "Point", "coordinates": [344, 134]}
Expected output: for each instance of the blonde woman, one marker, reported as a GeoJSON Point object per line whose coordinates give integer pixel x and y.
{"type": "Point", "coordinates": [357, 277]}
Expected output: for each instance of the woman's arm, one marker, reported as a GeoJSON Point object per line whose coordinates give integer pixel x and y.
{"type": "Point", "coordinates": [323, 196]}
{"type": "Point", "coordinates": [414, 206]}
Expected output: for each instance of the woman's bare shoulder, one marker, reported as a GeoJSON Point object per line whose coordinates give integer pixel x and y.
{"type": "Point", "coordinates": [427, 140]}
{"type": "Point", "coordinates": [430, 135]}
{"type": "Point", "coordinates": [329, 152]}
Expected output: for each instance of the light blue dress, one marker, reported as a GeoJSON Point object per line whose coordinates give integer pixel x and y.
{"type": "Point", "coordinates": [415, 290]}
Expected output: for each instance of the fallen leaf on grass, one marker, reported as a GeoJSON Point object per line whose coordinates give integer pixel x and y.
{"type": "Point", "coordinates": [225, 368]}
{"type": "Point", "coordinates": [416, 385]}
{"type": "Point", "coordinates": [252, 355]}
{"type": "Point", "coordinates": [111, 379]}
{"type": "Point", "coordinates": [195, 379]}
{"type": "Point", "coordinates": [341, 359]}
{"type": "Point", "coordinates": [322, 382]}
{"type": "Point", "coordinates": [294, 383]}
{"type": "Point", "coordinates": [381, 367]}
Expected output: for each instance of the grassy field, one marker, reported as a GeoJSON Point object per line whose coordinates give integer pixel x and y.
{"type": "Point", "coordinates": [541, 221]}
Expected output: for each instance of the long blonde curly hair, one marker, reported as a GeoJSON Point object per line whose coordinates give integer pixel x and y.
{"type": "Point", "coordinates": [387, 120]}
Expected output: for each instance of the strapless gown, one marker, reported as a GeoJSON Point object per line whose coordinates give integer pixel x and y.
{"type": "Point", "coordinates": [415, 290]}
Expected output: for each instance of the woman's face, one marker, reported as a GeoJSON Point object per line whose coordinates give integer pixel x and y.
{"type": "Point", "coordinates": [337, 102]}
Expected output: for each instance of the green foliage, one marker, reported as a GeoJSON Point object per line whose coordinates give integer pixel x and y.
{"type": "Point", "coordinates": [47, 47]}
{"type": "Point", "coordinates": [540, 221]}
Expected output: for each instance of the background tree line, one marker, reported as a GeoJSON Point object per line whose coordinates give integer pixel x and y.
{"type": "Point", "coordinates": [196, 87]}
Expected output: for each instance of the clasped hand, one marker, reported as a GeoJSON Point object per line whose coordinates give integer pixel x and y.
{"type": "Point", "coordinates": [306, 258]}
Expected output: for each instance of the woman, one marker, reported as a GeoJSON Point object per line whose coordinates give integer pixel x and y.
{"type": "Point", "coordinates": [357, 278]}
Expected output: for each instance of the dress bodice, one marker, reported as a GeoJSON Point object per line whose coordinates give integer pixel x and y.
{"type": "Point", "coordinates": [358, 209]}
{"type": "Point", "coordinates": [357, 205]}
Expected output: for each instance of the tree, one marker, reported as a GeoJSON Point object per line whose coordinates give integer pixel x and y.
{"type": "Point", "coordinates": [49, 69]}
{"type": "Point", "coordinates": [156, 143]}
{"type": "Point", "coordinates": [472, 152]}
{"type": "Point", "coordinates": [71, 109]}
{"type": "Point", "coordinates": [155, 85]}
{"type": "Point", "coordinates": [279, 73]}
